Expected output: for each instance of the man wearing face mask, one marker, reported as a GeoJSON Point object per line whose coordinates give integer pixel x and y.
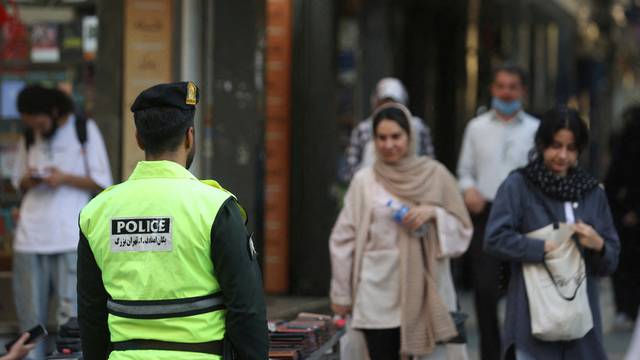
{"type": "Point", "coordinates": [494, 144]}
{"type": "Point", "coordinates": [166, 267]}
{"type": "Point", "coordinates": [60, 162]}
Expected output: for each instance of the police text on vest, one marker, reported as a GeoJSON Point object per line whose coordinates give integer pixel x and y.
{"type": "Point", "coordinates": [141, 234]}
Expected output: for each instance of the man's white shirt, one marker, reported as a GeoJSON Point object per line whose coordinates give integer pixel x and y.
{"type": "Point", "coordinates": [492, 148]}
{"type": "Point", "coordinates": [48, 221]}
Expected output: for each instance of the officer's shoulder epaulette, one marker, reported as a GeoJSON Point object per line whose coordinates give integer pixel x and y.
{"type": "Point", "coordinates": [108, 188]}
{"type": "Point", "coordinates": [217, 185]}
{"type": "Point", "coordinates": [105, 190]}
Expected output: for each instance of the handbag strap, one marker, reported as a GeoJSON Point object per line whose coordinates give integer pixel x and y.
{"type": "Point", "coordinates": [536, 193]}
{"type": "Point", "coordinates": [555, 284]}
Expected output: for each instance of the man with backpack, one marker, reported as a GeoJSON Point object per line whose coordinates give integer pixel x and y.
{"type": "Point", "coordinates": [60, 162]}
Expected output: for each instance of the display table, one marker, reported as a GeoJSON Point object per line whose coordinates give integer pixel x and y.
{"type": "Point", "coordinates": [333, 343]}
{"type": "Point", "coordinates": [308, 336]}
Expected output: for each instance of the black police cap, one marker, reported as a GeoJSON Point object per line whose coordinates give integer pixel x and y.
{"type": "Point", "coordinates": [182, 95]}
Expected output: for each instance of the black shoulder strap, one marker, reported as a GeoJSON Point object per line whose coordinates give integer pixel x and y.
{"type": "Point", "coordinates": [28, 137]}
{"type": "Point", "coordinates": [81, 129]}
{"type": "Point", "coordinates": [81, 133]}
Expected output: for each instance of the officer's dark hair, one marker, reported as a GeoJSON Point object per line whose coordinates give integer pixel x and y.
{"type": "Point", "coordinates": [162, 129]}
{"type": "Point", "coordinates": [513, 69]}
{"type": "Point", "coordinates": [394, 114]}
{"type": "Point", "coordinates": [556, 119]}
{"type": "Point", "coordinates": [37, 99]}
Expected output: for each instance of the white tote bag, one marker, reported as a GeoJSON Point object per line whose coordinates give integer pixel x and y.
{"type": "Point", "coordinates": [557, 288]}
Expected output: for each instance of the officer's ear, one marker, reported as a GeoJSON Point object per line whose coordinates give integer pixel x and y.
{"type": "Point", "coordinates": [139, 141]}
{"type": "Point", "coordinates": [190, 137]}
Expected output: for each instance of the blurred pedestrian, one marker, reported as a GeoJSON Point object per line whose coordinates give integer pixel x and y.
{"type": "Point", "coordinates": [494, 144]}
{"type": "Point", "coordinates": [360, 152]}
{"type": "Point", "coordinates": [552, 188]}
{"type": "Point", "coordinates": [20, 349]}
{"type": "Point", "coordinates": [623, 188]}
{"type": "Point", "coordinates": [393, 275]}
{"type": "Point", "coordinates": [61, 161]}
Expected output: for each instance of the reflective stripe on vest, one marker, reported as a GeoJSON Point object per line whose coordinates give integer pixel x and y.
{"type": "Point", "coordinates": [162, 309]}
{"type": "Point", "coordinates": [215, 347]}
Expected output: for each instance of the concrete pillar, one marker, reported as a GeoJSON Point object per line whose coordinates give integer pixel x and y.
{"type": "Point", "coordinates": [237, 119]}
{"type": "Point", "coordinates": [109, 68]}
{"type": "Point", "coordinates": [191, 56]}
{"type": "Point", "coordinates": [314, 145]}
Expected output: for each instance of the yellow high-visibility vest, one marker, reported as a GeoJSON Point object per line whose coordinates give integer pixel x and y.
{"type": "Point", "coordinates": [151, 239]}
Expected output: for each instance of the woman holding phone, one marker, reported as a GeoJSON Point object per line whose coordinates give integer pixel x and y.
{"type": "Point", "coordinates": [20, 349]}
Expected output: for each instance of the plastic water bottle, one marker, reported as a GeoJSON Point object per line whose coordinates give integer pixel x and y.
{"type": "Point", "coordinates": [399, 212]}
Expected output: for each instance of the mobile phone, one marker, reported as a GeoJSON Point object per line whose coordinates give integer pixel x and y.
{"type": "Point", "coordinates": [39, 175]}
{"type": "Point", "coordinates": [35, 334]}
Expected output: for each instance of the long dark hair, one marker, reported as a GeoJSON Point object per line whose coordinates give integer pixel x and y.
{"type": "Point", "coordinates": [37, 99]}
{"type": "Point", "coordinates": [40, 100]}
{"type": "Point", "coordinates": [554, 120]}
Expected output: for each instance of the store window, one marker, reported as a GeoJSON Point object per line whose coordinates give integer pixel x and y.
{"type": "Point", "coordinates": [54, 45]}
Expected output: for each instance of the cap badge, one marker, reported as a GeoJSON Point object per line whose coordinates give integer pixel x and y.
{"type": "Point", "coordinates": [191, 94]}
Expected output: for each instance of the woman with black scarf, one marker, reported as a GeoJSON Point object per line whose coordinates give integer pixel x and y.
{"type": "Point", "coordinates": [552, 187]}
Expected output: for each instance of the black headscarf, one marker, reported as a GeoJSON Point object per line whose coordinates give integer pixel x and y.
{"type": "Point", "coordinates": [571, 187]}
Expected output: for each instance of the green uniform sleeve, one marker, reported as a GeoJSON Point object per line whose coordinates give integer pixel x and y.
{"type": "Point", "coordinates": [92, 305]}
{"type": "Point", "coordinates": [239, 276]}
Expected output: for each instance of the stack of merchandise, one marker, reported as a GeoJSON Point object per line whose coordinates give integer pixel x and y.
{"type": "Point", "coordinates": [297, 339]}
{"type": "Point", "coordinates": [68, 344]}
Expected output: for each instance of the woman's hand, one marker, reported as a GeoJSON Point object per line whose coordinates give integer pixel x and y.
{"type": "Point", "coordinates": [418, 215]}
{"type": "Point", "coordinates": [29, 180]}
{"type": "Point", "coordinates": [588, 237]}
{"type": "Point", "coordinates": [342, 310]}
{"type": "Point", "coordinates": [19, 350]}
{"type": "Point", "coordinates": [550, 245]}
{"type": "Point", "coordinates": [474, 201]}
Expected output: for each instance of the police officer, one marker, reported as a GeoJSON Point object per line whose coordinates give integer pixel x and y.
{"type": "Point", "coordinates": [166, 269]}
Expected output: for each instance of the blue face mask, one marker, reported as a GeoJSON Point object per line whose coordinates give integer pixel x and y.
{"type": "Point", "coordinates": [506, 107]}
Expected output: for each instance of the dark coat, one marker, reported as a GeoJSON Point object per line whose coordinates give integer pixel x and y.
{"type": "Point", "coordinates": [623, 188]}
{"type": "Point", "coordinates": [516, 211]}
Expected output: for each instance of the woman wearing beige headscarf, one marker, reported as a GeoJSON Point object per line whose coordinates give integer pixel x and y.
{"type": "Point", "coordinates": [395, 282]}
